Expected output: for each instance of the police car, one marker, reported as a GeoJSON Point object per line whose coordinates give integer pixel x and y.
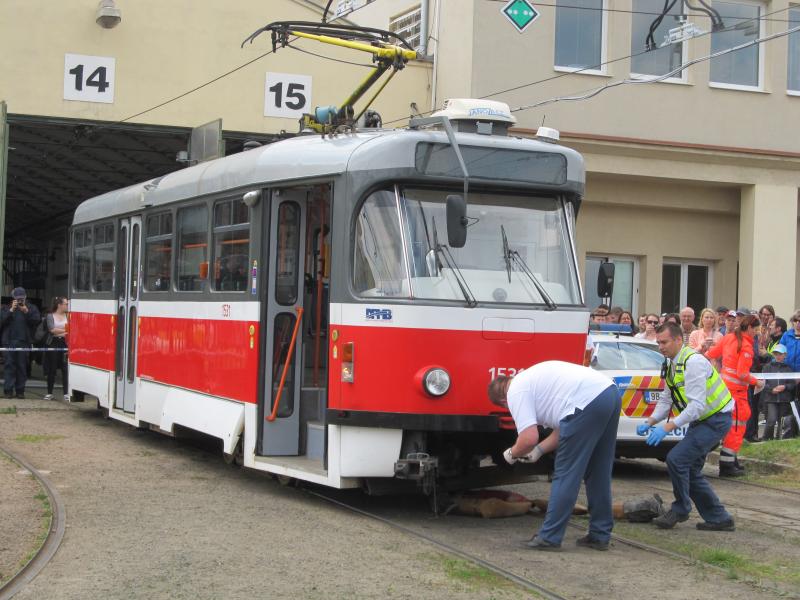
{"type": "Point", "coordinates": [635, 366]}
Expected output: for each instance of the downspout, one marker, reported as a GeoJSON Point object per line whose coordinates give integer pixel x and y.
{"type": "Point", "coordinates": [423, 29]}
{"type": "Point", "coordinates": [434, 75]}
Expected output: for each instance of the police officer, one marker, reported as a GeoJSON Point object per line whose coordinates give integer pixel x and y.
{"type": "Point", "coordinates": [17, 322]}
{"type": "Point", "coordinates": [705, 405]}
{"type": "Point", "coordinates": [582, 408]}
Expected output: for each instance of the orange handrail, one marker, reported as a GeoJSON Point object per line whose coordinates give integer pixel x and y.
{"type": "Point", "coordinates": [271, 417]}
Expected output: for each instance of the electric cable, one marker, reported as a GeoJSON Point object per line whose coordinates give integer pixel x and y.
{"type": "Point", "coordinates": [339, 60]}
{"type": "Point", "coordinates": [667, 75]}
{"type": "Point", "coordinates": [591, 67]}
{"type": "Point", "coordinates": [644, 12]}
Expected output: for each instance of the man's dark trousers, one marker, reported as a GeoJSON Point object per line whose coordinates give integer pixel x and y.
{"type": "Point", "coordinates": [685, 465]}
{"type": "Point", "coordinates": [586, 443]}
{"type": "Point", "coordinates": [16, 370]}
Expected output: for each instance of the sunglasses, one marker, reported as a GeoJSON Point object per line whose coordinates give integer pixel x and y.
{"type": "Point", "coordinates": [652, 322]}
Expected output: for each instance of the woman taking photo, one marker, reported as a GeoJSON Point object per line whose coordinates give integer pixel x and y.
{"type": "Point", "coordinates": [700, 340]}
{"type": "Point", "coordinates": [56, 356]}
{"type": "Point", "coordinates": [736, 351]}
{"type": "Point", "coordinates": [650, 324]}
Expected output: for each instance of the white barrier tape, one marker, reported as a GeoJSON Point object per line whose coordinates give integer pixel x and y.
{"type": "Point", "coordinates": [33, 349]}
{"type": "Point", "coordinates": [766, 376]}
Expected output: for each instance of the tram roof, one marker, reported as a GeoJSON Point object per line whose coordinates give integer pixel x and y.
{"type": "Point", "coordinates": [302, 157]}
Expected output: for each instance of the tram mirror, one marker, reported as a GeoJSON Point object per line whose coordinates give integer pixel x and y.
{"type": "Point", "coordinates": [456, 221]}
{"type": "Point", "coordinates": [251, 198]}
{"type": "Point", "coordinates": [605, 280]}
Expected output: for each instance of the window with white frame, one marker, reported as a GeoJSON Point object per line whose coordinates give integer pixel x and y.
{"type": "Point", "coordinates": [742, 68]}
{"type": "Point", "coordinates": [626, 282]}
{"type": "Point", "coordinates": [686, 283]}
{"type": "Point", "coordinates": [793, 81]}
{"type": "Point", "coordinates": [408, 26]}
{"type": "Point", "coordinates": [580, 27]}
{"type": "Point", "coordinates": [661, 59]}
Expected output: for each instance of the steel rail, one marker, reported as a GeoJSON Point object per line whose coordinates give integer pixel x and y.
{"type": "Point", "coordinates": [51, 544]}
{"type": "Point", "coordinates": [497, 570]}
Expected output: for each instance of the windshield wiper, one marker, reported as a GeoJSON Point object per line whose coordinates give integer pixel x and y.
{"type": "Point", "coordinates": [444, 251]}
{"type": "Point", "coordinates": [523, 266]}
{"type": "Point", "coordinates": [506, 252]}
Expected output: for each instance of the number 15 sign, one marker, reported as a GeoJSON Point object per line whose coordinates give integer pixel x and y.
{"type": "Point", "coordinates": [287, 95]}
{"type": "Point", "coordinates": [89, 78]}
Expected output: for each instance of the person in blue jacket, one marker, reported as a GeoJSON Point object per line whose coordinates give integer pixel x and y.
{"type": "Point", "coordinates": [791, 339]}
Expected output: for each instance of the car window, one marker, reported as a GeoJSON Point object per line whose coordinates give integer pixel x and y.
{"type": "Point", "coordinates": [610, 356]}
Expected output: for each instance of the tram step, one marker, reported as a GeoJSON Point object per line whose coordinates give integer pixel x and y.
{"type": "Point", "coordinates": [315, 439]}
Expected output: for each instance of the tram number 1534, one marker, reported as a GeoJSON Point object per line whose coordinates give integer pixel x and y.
{"type": "Point", "coordinates": [508, 371]}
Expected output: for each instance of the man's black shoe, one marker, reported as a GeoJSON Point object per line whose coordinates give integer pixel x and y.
{"type": "Point", "coordinates": [669, 519]}
{"type": "Point", "coordinates": [588, 541]}
{"type": "Point", "coordinates": [8, 395]}
{"type": "Point", "coordinates": [21, 396]}
{"type": "Point", "coordinates": [721, 526]}
{"type": "Point", "coordinates": [538, 543]}
{"type": "Point", "coordinates": [729, 470]}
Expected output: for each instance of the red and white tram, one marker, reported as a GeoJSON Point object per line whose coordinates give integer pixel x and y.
{"type": "Point", "coordinates": [323, 305]}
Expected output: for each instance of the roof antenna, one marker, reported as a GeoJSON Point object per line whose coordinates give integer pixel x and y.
{"type": "Point", "coordinates": [544, 117]}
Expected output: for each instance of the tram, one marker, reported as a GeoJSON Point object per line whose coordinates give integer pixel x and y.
{"type": "Point", "coordinates": [333, 307]}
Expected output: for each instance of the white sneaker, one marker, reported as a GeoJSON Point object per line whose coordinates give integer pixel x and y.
{"type": "Point", "coordinates": [66, 397]}
{"type": "Point", "coordinates": [48, 397]}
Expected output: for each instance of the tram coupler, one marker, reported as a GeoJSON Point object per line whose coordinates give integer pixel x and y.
{"type": "Point", "coordinates": [416, 466]}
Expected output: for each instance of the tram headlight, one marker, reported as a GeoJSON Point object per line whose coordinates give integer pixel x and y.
{"type": "Point", "coordinates": [436, 382]}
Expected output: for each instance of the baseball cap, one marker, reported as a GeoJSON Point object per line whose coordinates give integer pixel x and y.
{"type": "Point", "coordinates": [743, 310]}
{"type": "Point", "coordinates": [722, 309]}
{"type": "Point", "coordinates": [18, 293]}
{"type": "Point", "coordinates": [779, 348]}
{"type": "Point", "coordinates": [730, 313]}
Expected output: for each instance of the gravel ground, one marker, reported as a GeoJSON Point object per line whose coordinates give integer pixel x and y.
{"type": "Point", "coordinates": [152, 517]}
{"type": "Point", "coordinates": [20, 515]}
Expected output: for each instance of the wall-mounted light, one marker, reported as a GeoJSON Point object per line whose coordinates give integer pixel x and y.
{"type": "Point", "coordinates": [108, 15]}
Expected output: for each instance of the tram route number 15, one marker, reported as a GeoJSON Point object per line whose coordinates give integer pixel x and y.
{"type": "Point", "coordinates": [89, 78]}
{"type": "Point", "coordinates": [286, 95]}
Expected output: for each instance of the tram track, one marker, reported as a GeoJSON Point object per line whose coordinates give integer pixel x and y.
{"type": "Point", "coordinates": [54, 535]}
{"type": "Point", "coordinates": [523, 582]}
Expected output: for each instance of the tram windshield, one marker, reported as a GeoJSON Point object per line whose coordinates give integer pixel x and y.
{"type": "Point", "coordinates": [517, 251]}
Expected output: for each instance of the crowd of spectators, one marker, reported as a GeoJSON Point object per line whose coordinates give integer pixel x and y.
{"type": "Point", "coordinates": [776, 343]}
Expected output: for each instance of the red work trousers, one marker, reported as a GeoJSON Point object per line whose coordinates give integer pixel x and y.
{"type": "Point", "coordinates": [741, 412]}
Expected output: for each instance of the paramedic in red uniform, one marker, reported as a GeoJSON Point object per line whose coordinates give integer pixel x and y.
{"type": "Point", "coordinates": [736, 351]}
{"type": "Point", "coordinates": [582, 408]}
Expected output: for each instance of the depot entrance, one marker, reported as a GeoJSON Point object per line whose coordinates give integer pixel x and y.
{"type": "Point", "coordinates": [54, 164]}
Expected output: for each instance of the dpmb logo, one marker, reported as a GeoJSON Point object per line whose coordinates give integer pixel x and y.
{"type": "Point", "coordinates": [379, 314]}
{"type": "Point", "coordinates": [521, 13]}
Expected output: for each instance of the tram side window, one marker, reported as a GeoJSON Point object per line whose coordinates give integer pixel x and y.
{"type": "Point", "coordinates": [378, 264]}
{"type": "Point", "coordinates": [104, 258]}
{"type": "Point", "coordinates": [231, 245]}
{"type": "Point", "coordinates": [82, 260]}
{"type": "Point", "coordinates": [192, 248]}
{"type": "Point", "coordinates": [158, 252]}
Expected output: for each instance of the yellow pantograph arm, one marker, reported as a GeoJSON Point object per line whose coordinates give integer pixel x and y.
{"type": "Point", "coordinates": [388, 51]}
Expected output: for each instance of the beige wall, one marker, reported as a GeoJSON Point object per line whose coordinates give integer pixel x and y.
{"type": "Point", "coordinates": [163, 49]}
{"type": "Point", "coordinates": [639, 219]}
{"type": "Point", "coordinates": [691, 112]}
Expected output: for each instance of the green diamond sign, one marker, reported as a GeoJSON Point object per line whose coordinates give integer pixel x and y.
{"type": "Point", "coordinates": [521, 13]}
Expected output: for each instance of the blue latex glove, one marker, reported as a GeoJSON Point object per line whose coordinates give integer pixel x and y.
{"type": "Point", "coordinates": [642, 429]}
{"type": "Point", "coordinates": [655, 437]}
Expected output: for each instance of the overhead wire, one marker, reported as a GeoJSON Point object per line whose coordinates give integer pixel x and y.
{"type": "Point", "coordinates": [596, 66]}
{"type": "Point", "coordinates": [223, 75]}
{"type": "Point", "coordinates": [667, 75]}
{"type": "Point", "coordinates": [643, 12]}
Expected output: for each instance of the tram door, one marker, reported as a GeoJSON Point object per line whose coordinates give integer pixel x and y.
{"type": "Point", "coordinates": [284, 336]}
{"type": "Point", "coordinates": [128, 280]}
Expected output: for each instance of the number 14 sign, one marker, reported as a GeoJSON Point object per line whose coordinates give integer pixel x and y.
{"type": "Point", "coordinates": [89, 78]}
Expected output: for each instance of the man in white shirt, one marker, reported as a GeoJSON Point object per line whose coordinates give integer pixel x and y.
{"type": "Point", "coordinates": [582, 408]}
{"type": "Point", "coordinates": [705, 405]}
